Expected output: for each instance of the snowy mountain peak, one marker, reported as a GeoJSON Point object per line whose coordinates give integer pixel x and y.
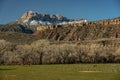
{"type": "Point", "coordinates": [31, 15]}
{"type": "Point", "coordinates": [33, 18]}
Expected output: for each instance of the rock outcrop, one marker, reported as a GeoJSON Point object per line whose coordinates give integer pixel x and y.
{"type": "Point", "coordinates": [111, 21]}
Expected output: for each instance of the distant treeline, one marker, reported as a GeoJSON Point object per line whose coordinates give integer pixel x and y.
{"type": "Point", "coordinates": [43, 52]}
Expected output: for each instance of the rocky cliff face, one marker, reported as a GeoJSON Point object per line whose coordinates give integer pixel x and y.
{"type": "Point", "coordinates": [29, 15]}
{"type": "Point", "coordinates": [114, 21]}
{"type": "Point", "coordinates": [76, 33]}
{"type": "Point", "coordinates": [109, 21]}
{"type": "Point", "coordinates": [81, 31]}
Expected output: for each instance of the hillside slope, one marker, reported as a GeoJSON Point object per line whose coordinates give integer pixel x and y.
{"type": "Point", "coordinates": [85, 32]}
{"type": "Point", "coordinates": [19, 38]}
{"type": "Point", "coordinates": [15, 27]}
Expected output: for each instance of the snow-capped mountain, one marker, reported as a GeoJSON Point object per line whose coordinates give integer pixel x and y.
{"type": "Point", "coordinates": [33, 19]}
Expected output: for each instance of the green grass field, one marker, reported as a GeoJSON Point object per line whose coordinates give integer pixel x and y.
{"type": "Point", "coordinates": [61, 72]}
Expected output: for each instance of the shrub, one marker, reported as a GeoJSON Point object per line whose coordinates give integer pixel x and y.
{"type": "Point", "coordinates": [42, 52]}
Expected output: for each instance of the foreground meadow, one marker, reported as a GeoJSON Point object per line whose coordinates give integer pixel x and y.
{"type": "Point", "coordinates": [61, 72]}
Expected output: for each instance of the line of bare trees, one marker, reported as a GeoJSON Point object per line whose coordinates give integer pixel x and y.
{"type": "Point", "coordinates": [42, 52]}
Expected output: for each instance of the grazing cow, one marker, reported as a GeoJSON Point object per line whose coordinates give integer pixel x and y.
{"type": "Point", "coordinates": [94, 65]}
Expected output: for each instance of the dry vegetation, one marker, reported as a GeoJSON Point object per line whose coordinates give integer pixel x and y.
{"type": "Point", "coordinates": [18, 38]}
{"type": "Point", "coordinates": [43, 52]}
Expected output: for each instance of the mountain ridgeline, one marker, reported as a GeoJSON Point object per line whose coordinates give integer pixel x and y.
{"type": "Point", "coordinates": [56, 27]}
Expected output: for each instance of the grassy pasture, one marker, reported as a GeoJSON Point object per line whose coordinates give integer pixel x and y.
{"type": "Point", "coordinates": [61, 72]}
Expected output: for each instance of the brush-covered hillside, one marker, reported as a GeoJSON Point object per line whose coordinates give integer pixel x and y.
{"type": "Point", "coordinates": [18, 38]}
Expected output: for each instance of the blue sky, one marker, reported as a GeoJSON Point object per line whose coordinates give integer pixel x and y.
{"type": "Point", "coordinates": [11, 10]}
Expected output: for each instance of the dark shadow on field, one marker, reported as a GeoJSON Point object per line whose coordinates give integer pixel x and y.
{"type": "Point", "coordinates": [6, 69]}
